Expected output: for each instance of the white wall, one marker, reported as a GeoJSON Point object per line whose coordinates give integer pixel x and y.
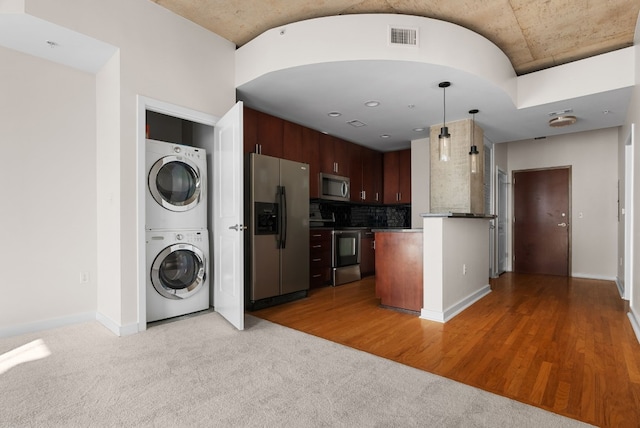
{"type": "Point", "coordinates": [161, 56]}
{"type": "Point", "coordinates": [420, 181]}
{"type": "Point", "coordinates": [593, 157]}
{"type": "Point", "coordinates": [48, 213]}
{"type": "Point", "coordinates": [456, 265]}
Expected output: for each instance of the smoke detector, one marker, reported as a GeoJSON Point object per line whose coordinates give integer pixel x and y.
{"type": "Point", "coordinates": [560, 121]}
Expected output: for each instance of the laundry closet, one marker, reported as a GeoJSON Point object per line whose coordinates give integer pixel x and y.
{"type": "Point", "coordinates": [177, 221]}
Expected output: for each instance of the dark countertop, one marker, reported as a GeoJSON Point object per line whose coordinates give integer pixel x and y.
{"type": "Point", "coordinates": [457, 215]}
{"type": "Point", "coordinates": [395, 230]}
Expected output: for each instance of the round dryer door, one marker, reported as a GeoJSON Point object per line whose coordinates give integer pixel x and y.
{"type": "Point", "coordinates": [174, 183]}
{"type": "Point", "coordinates": [178, 272]}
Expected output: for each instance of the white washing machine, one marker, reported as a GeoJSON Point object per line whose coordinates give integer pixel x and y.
{"type": "Point", "coordinates": [176, 196]}
{"type": "Point", "coordinates": [177, 273]}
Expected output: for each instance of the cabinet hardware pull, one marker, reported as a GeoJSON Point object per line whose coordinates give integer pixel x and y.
{"type": "Point", "coordinates": [316, 260]}
{"type": "Point", "coordinates": [317, 246]}
{"type": "Point", "coordinates": [316, 236]}
{"type": "Point", "coordinates": [316, 276]}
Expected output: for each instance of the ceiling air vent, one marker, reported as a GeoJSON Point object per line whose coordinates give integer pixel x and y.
{"type": "Point", "coordinates": [356, 123]}
{"type": "Point", "coordinates": [403, 36]}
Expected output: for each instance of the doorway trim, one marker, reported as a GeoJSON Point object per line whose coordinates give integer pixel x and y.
{"type": "Point", "coordinates": [502, 212]}
{"type": "Point", "coordinates": [144, 104]}
{"type": "Point", "coordinates": [629, 176]}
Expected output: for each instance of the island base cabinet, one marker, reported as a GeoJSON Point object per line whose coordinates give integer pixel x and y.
{"type": "Point", "coordinates": [399, 269]}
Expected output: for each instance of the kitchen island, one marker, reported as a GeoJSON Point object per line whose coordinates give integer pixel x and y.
{"type": "Point", "coordinates": [437, 271]}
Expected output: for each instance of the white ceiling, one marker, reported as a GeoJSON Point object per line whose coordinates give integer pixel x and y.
{"type": "Point", "coordinates": [306, 95]}
{"type": "Point", "coordinates": [25, 33]}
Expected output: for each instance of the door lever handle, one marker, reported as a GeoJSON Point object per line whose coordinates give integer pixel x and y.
{"type": "Point", "coordinates": [238, 227]}
{"type": "Point", "coordinates": [562, 224]}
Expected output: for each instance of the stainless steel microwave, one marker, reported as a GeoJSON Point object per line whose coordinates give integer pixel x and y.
{"type": "Point", "coordinates": [334, 187]}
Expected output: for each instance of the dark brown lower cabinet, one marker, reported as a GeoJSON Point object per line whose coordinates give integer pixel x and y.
{"type": "Point", "coordinates": [320, 257]}
{"type": "Point", "coordinates": [367, 254]}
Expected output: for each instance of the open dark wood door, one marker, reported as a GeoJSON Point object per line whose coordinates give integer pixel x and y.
{"type": "Point", "coordinates": [541, 228]}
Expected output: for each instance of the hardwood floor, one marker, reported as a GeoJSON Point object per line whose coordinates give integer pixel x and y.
{"type": "Point", "coordinates": [562, 344]}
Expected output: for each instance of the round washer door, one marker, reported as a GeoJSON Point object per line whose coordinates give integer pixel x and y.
{"type": "Point", "coordinates": [174, 183]}
{"type": "Point", "coordinates": [178, 272]}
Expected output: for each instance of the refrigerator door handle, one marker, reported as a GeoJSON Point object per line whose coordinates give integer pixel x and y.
{"type": "Point", "coordinates": [284, 217]}
{"type": "Point", "coordinates": [279, 219]}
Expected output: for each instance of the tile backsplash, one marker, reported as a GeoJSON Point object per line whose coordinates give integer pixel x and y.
{"type": "Point", "coordinates": [368, 215]}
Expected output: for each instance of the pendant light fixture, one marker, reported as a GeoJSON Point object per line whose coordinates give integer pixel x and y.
{"type": "Point", "coordinates": [473, 153]}
{"type": "Point", "coordinates": [444, 138]}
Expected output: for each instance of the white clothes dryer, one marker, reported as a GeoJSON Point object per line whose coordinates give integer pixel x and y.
{"type": "Point", "coordinates": [177, 273]}
{"type": "Point", "coordinates": [176, 196]}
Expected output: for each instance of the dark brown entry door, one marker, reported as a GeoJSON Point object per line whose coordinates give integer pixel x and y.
{"type": "Point", "coordinates": [541, 221]}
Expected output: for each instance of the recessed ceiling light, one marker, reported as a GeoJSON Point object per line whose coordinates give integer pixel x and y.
{"type": "Point", "coordinates": [372, 103]}
{"type": "Point", "coordinates": [385, 136]}
{"type": "Point", "coordinates": [418, 129]}
{"type": "Point", "coordinates": [559, 121]}
{"type": "Point", "coordinates": [334, 114]}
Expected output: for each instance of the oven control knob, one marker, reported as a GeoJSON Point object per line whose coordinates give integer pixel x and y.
{"type": "Point", "coordinates": [179, 236]}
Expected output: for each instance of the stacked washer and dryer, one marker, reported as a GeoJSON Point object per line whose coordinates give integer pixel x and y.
{"type": "Point", "coordinates": [177, 241]}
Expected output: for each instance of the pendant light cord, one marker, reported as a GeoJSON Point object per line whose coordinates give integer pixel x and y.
{"type": "Point", "coordinates": [444, 106]}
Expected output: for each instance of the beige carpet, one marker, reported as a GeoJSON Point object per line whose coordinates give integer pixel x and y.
{"type": "Point", "coordinates": [200, 372]}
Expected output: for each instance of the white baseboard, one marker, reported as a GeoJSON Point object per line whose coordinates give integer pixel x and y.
{"type": "Point", "coordinates": [455, 309]}
{"type": "Point", "coordinates": [620, 287]}
{"type": "Point", "coordinates": [635, 323]}
{"type": "Point", "coordinates": [590, 276]}
{"type": "Point", "coordinates": [36, 326]}
{"type": "Point", "coordinates": [432, 315]}
{"type": "Point", "coordinates": [115, 328]}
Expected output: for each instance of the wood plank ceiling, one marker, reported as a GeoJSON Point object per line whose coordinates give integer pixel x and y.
{"type": "Point", "coordinates": [533, 34]}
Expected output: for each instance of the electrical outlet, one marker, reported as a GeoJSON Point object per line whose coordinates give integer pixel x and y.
{"type": "Point", "coordinates": [84, 277]}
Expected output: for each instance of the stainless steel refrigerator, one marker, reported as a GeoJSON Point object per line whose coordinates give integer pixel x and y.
{"type": "Point", "coordinates": [277, 238]}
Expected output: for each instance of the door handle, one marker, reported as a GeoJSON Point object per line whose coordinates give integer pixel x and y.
{"type": "Point", "coordinates": [562, 224]}
{"type": "Point", "coordinates": [238, 227]}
